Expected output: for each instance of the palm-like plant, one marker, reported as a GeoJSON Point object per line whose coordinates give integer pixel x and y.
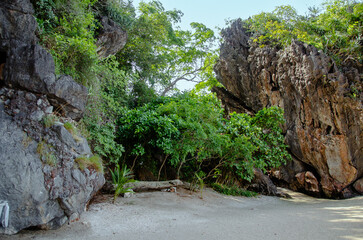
{"type": "Point", "coordinates": [121, 176]}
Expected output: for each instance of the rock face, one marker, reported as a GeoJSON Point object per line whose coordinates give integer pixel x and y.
{"type": "Point", "coordinates": [41, 184]}
{"type": "Point", "coordinates": [323, 122]}
{"type": "Point", "coordinates": [111, 38]}
{"type": "Point", "coordinates": [39, 178]}
{"type": "Point", "coordinates": [25, 64]}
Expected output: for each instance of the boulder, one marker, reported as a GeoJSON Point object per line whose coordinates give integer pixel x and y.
{"type": "Point", "coordinates": [323, 122]}
{"type": "Point", "coordinates": [308, 180]}
{"type": "Point", "coordinates": [261, 183]}
{"type": "Point", "coordinates": [29, 67]}
{"type": "Point", "coordinates": [111, 38]}
{"type": "Point", "coordinates": [39, 179]}
{"type": "Point", "coordinates": [68, 96]}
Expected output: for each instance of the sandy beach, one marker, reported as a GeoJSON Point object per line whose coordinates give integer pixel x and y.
{"type": "Point", "coordinates": [184, 215]}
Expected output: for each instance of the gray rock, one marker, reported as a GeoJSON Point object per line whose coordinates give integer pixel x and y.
{"type": "Point", "coordinates": [79, 177]}
{"type": "Point", "coordinates": [30, 97]}
{"type": "Point", "coordinates": [40, 196]}
{"type": "Point", "coordinates": [69, 96]}
{"type": "Point", "coordinates": [29, 67]}
{"type": "Point", "coordinates": [64, 135]}
{"type": "Point", "coordinates": [35, 193]}
{"type": "Point", "coordinates": [17, 22]}
{"type": "Point", "coordinates": [37, 115]}
{"type": "Point", "coordinates": [111, 38]}
{"type": "Point", "coordinates": [83, 147]}
{"type": "Point", "coordinates": [23, 6]}
{"type": "Point", "coordinates": [22, 181]}
{"type": "Point", "coordinates": [49, 110]}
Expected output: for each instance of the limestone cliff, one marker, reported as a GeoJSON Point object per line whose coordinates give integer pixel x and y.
{"type": "Point", "coordinates": [41, 184]}
{"type": "Point", "coordinates": [323, 121]}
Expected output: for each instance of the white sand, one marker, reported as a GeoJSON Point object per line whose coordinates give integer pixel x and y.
{"type": "Point", "coordinates": [181, 215]}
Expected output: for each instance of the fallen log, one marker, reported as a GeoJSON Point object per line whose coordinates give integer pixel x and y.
{"type": "Point", "coordinates": [144, 186]}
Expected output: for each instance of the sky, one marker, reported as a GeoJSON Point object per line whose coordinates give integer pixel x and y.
{"type": "Point", "coordinates": [213, 13]}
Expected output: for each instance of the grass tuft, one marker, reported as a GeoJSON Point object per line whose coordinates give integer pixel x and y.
{"type": "Point", "coordinates": [95, 162]}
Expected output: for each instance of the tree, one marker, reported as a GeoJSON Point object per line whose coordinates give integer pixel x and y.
{"type": "Point", "coordinates": [162, 55]}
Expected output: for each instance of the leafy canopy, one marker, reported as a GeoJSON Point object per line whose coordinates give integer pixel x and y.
{"type": "Point", "coordinates": [337, 30]}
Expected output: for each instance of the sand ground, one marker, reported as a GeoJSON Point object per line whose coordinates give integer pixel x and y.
{"type": "Point", "coordinates": [183, 215]}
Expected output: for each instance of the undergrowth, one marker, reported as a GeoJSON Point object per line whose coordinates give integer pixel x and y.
{"type": "Point", "coordinates": [233, 191]}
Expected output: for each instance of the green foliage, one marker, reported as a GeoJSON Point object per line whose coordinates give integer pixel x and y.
{"type": "Point", "coordinates": [181, 126]}
{"type": "Point", "coordinates": [102, 137]}
{"type": "Point", "coordinates": [161, 55]}
{"type": "Point", "coordinates": [121, 176]}
{"type": "Point", "coordinates": [112, 87]}
{"type": "Point", "coordinates": [125, 117]}
{"type": "Point", "coordinates": [190, 132]}
{"type": "Point", "coordinates": [69, 126]}
{"type": "Point", "coordinates": [233, 191]}
{"type": "Point", "coordinates": [73, 131]}
{"type": "Point", "coordinates": [152, 28]}
{"type": "Point", "coordinates": [67, 30]}
{"type": "Point", "coordinates": [258, 140]}
{"type": "Point", "coordinates": [45, 15]}
{"type": "Point", "coordinates": [120, 11]}
{"type": "Point", "coordinates": [337, 31]}
{"type": "Point", "coordinates": [107, 100]}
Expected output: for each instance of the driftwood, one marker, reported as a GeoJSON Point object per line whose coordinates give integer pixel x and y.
{"type": "Point", "coordinates": [144, 186]}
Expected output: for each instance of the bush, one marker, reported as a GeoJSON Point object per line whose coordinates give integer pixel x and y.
{"type": "Point", "coordinates": [191, 135]}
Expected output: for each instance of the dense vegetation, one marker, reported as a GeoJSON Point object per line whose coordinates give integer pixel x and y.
{"type": "Point", "coordinates": [337, 31]}
{"type": "Point", "coordinates": [136, 117]}
{"type": "Point", "coordinates": [189, 134]}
